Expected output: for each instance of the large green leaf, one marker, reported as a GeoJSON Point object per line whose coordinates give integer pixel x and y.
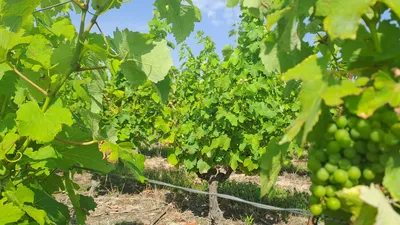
{"type": "Point", "coordinates": [285, 48]}
{"type": "Point", "coordinates": [374, 197]}
{"type": "Point", "coordinates": [181, 16]}
{"type": "Point", "coordinates": [342, 17]}
{"type": "Point", "coordinates": [42, 126]}
{"type": "Point", "coordinates": [142, 59]}
{"type": "Point", "coordinates": [271, 164]}
{"type": "Point", "coordinates": [311, 71]}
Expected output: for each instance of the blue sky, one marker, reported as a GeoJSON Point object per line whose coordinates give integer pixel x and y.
{"type": "Point", "coordinates": [216, 22]}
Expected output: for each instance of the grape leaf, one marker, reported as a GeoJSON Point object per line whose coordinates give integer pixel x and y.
{"type": "Point", "coordinates": [133, 161]}
{"type": "Point", "coordinates": [394, 5]}
{"type": "Point", "coordinates": [141, 59]}
{"type": "Point", "coordinates": [9, 40]}
{"type": "Point", "coordinates": [231, 3]}
{"type": "Point", "coordinates": [391, 180]}
{"type": "Point", "coordinates": [270, 164]}
{"type": "Point", "coordinates": [20, 195]}
{"type": "Point", "coordinates": [202, 166]}
{"type": "Point", "coordinates": [311, 71]}
{"type": "Point", "coordinates": [333, 95]}
{"type": "Point", "coordinates": [56, 212]}
{"type": "Point", "coordinates": [181, 16]}
{"type": "Point", "coordinates": [42, 126]}
{"type": "Point", "coordinates": [40, 50]}
{"type": "Point", "coordinates": [163, 88]}
{"type": "Point", "coordinates": [64, 27]}
{"type": "Point", "coordinates": [252, 3]}
{"type": "Point", "coordinates": [374, 197]}
{"type": "Point", "coordinates": [61, 57]}
{"type": "Point", "coordinates": [110, 151]}
{"type": "Point", "coordinates": [342, 17]}
{"type": "Point", "coordinates": [83, 156]}
{"type": "Point", "coordinates": [10, 213]}
{"type": "Point", "coordinates": [39, 215]}
{"type": "Point", "coordinates": [17, 13]}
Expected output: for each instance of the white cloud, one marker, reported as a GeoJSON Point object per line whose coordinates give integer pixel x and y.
{"type": "Point", "coordinates": [217, 11]}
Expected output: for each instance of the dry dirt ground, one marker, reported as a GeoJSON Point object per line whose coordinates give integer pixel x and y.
{"type": "Point", "coordinates": [145, 205]}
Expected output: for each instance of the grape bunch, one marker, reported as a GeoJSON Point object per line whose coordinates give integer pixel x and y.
{"type": "Point", "coordinates": [354, 152]}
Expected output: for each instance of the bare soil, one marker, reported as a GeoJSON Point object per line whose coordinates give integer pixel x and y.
{"type": "Point", "coordinates": [147, 205]}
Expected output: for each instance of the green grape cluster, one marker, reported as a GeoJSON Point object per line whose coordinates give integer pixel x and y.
{"type": "Point", "coordinates": [354, 152]}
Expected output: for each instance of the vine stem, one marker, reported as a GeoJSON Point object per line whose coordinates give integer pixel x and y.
{"type": "Point", "coordinates": [79, 4]}
{"type": "Point", "coordinates": [76, 143]}
{"type": "Point", "coordinates": [52, 6]}
{"type": "Point", "coordinates": [27, 79]}
{"type": "Point", "coordinates": [342, 72]}
{"type": "Point", "coordinates": [374, 33]}
{"type": "Point", "coordinates": [94, 68]}
{"type": "Point", "coordinates": [4, 100]}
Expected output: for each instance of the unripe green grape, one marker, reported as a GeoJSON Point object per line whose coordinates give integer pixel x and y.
{"type": "Point", "coordinates": [314, 179]}
{"type": "Point", "coordinates": [334, 158]}
{"type": "Point", "coordinates": [390, 139]}
{"type": "Point", "coordinates": [340, 176]}
{"type": "Point", "coordinates": [349, 153]}
{"type": "Point", "coordinates": [372, 157]}
{"type": "Point", "coordinates": [348, 184]}
{"type": "Point", "coordinates": [316, 209]}
{"type": "Point", "coordinates": [354, 173]}
{"type": "Point", "coordinates": [341, 122]}
{"type": "Point", "coordinates": [368, 174]}
{"type": "Point", "coordinates": [395, 129]}
{"type": "Point", "coordinates": [342, 134]}
{"type": "Point", "coordinates": [330, 191]}
{"type": "Point", "coordinates": [321, 156]}
{"type": "Point", "coordinates": [313, 164]}
{"type": "Point", "coordinates": [333, 203]}
{"type": "Point", "coordinates": [333, 147]}
{"type": "Point", "coordinates": [356, 160]}
{"type": "Point", "coordinates": [319, 191]}
{"type": "Point", "coordinates": [332, 128]}
{"type": "Point", "coordinates": [360, 147]}
{"type": "Point", "coordinates": [372, 147]}
{"type": "Point", "coordinates": [364, 128]}
{"type": "Point", "coordinates": [332, 179]}
{"type": "Point", "coordinates": [314, 200]}
{"type": "Point", "coordinates": [331, 168]}
{"type": "Point", "coordinates": [355, 134]}
{"type": "Point", "coordinates": [352, 122]}
{"type": "Point", "coordinates": [322, 174]}
{"type": "Point", "coordinates": [344, 164]}
{"type": "Point", "coordinates": [377, 168]}
{"type": "Point", "coordinates": [376, 136]}
{"type": "Point", "coordinates": [376, 124]}
{"type": "Point", "coordinates": [389, 117]}
{"type": "Point", "coordinates": [383, 159]}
